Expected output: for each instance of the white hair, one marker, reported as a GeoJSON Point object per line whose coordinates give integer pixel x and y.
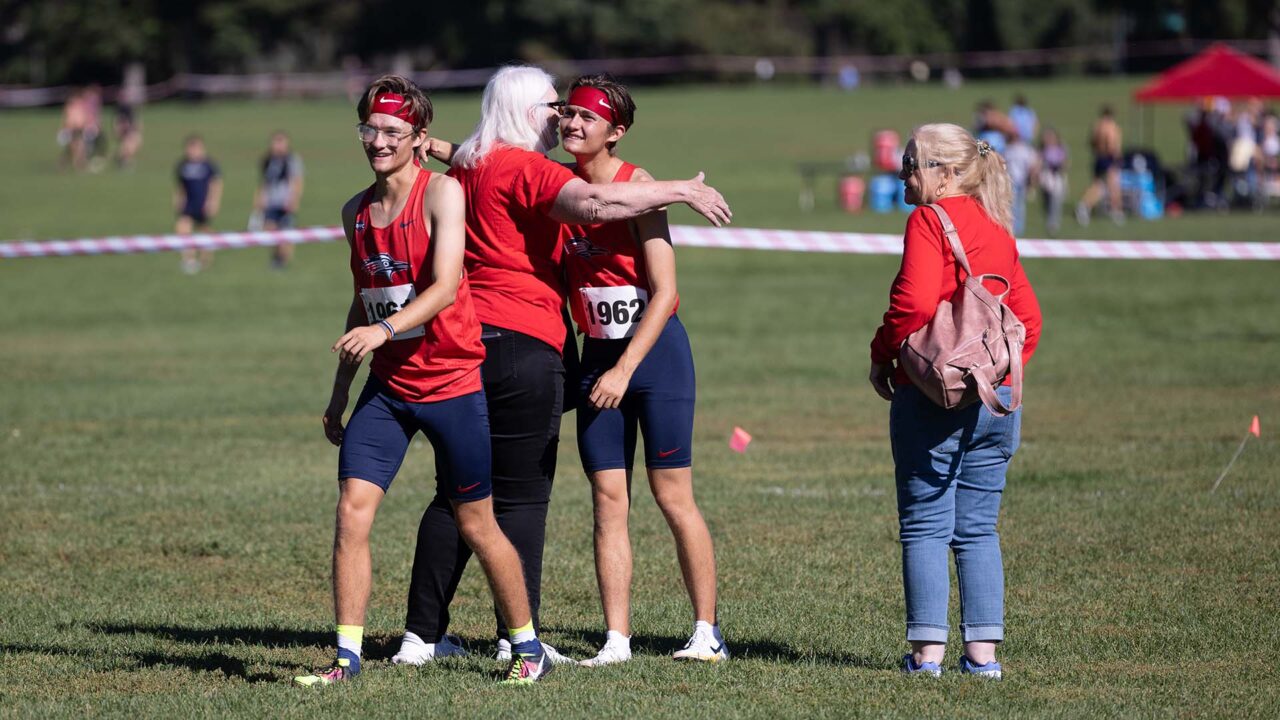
{"type": "Point", "coordinates": [504, 114]}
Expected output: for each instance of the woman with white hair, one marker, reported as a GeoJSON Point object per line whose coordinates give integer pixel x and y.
{"type": "Point", "coordinates": [950, 465]}
{"type": "Point", "coordinates": [516, 200]}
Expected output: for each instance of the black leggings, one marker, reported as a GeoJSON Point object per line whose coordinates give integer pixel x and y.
{"type": "Point", "coordinates": [524, 384]}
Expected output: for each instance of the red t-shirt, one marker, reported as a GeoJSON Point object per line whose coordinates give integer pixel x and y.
{"type": "Point", "coordinates": [929, 276]}
{"type": "Point", "coordinates": [391, 266]}
{"type": "Point", "coordinates": [605, 255]}
{"type": "Point", "coordinates": [513, 245]}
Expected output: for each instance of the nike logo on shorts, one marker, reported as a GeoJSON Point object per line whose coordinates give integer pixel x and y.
{"type": "Point", "coordinates": [668, 453]}
{"type": "Point", "coordinates": [467, 488]}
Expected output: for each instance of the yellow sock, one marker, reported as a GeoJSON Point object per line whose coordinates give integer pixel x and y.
{"type": "Point", "coordinates": [523, 633]}
{"type": "Point", "coordinates": [351, 637]}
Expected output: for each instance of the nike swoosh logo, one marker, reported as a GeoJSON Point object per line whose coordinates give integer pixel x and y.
{"type": "Point", "coordinates": [469, 487]}
{"type": "Point", "coordinates": [716, 650]}
{"type": "Point", "coordinates": [388, 100]}
{"type": "Point", "coordinates": [668, 453]}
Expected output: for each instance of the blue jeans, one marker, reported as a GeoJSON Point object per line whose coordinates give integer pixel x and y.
{"type": "Point", "coordinates": [950, 467]}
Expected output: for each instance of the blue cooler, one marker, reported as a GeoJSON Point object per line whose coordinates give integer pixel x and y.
{"type": "Point", "coordinates": [882, 193]}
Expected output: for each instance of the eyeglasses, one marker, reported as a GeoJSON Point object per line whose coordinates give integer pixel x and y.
{"type": "Point", "coordinates": [369, 133]}
{"type": "Point", "coordinates": [557, 105]}
{"type": "Point", "coordinates": [909, 164]}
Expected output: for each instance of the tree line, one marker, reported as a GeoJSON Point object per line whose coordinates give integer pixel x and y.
{"type": "Point", "coordinates": [75, 41]}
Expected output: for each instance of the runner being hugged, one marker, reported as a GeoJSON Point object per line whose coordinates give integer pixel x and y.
{"type": "Point", "coordinates": [412, 309]}
{"type": "Point", "coordinates": [637, 370]}
{"type": "Point", "coordinates": [516, 200]}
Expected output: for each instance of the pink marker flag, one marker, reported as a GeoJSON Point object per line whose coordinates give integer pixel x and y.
{"type": "Point", "coordinates": [739, 440]}
{"type": "Point", "coordinates": [1255, 430]}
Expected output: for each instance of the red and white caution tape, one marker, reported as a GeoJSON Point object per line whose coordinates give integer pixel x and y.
{"type": "Point", "coordinates": [126, 244]}
{"type": "Point", "coordinates": [684, 235]}
{"type": "Point", "coordinates": [877, 244]}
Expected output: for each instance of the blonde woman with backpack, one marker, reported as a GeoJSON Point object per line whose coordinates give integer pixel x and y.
{"type": "Point", "coordinates": [950, 464]}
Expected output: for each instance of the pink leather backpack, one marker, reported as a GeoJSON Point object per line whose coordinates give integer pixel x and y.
{"type": "Point", "coordinates": [972, 343]}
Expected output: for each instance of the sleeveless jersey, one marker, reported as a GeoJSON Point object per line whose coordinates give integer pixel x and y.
{"type": "Point", "coordinates": [391, 266]}
{"type": "Point", "coordinates": [605, 273]}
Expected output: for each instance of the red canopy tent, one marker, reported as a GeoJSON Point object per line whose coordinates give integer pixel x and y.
{"type": "Point", "coordinates": [1218, 71]}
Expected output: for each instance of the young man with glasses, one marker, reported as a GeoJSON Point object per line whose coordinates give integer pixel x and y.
{"type": "Point", "coordinates": [412, 309]}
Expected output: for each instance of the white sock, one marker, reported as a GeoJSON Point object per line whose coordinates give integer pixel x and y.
{"type": "Point", "coordinates": [615, 638]}
{"type": "Point", "coordinates": [411, 640]}
{"type": "Point", "coordinates": [703, 625]}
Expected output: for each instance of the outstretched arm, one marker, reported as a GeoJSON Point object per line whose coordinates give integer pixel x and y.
{"type": "Point", "coordinates": [587, 203]}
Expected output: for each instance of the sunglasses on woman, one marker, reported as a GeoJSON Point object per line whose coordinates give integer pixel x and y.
{"type": "Point", "coordinates": [909, 165]}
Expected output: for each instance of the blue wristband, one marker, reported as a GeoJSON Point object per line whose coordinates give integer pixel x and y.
{"type": "Point", "coordinates": [391, 332]}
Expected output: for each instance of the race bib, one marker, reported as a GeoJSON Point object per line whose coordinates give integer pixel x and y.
{"type": "Point", "coordinates": [381, 303]}
{"type": "Point", "coordinates": [613, 312]}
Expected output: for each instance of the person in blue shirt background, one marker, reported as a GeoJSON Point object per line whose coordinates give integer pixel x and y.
{"type": "Point", "coordinates": [196, 197]}
{"type": "Point", "coordinates": [1024, 119]}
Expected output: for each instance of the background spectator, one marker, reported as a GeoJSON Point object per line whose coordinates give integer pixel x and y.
{"type": "Point", "coordinates": [279, 192]}
{"type": "Point", "coordinates": [1053, 178]}
{"type": "Point", "coordinates": [196, 198]}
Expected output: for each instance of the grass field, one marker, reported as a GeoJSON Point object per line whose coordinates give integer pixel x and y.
{"type": "Point", "coordinates": [166, 512]}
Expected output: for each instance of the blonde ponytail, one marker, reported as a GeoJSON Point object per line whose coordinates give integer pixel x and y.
{"type": "Point", "coordinates": [978, 170]}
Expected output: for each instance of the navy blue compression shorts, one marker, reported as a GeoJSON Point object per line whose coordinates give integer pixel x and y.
{"type": "Point", "coordinates": [659, 401]}
{"type": "Point", "coordinates": [378, 434]}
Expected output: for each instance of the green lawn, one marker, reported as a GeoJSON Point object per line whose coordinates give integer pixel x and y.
{"type": "Point", "coordinates": [748, 140]}
{"type": "Point", "coordinates": [167, 501]}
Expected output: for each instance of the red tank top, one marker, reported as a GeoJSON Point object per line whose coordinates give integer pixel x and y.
{"type": "Point", "coordinates": [604, 265]}
{"type": "Point", "coordinates": [391, 266]}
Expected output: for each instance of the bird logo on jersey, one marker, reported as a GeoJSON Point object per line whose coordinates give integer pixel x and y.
{"type": "Point", "coordinates": [584, 248]}
{"type": "Point", "coordinates": [384, 264]}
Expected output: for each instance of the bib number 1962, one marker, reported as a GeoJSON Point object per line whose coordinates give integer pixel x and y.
{"type": "Point", "coordinates": [614, 313]}
{"type": "Point", "coordinates": [381, 303]}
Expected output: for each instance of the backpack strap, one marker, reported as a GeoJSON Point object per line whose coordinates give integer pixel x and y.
{"type": "Point", "coordinates": [986, 385]}
{"type": "Point", "coordinates": [985, 382]}
{"type": "Point", "coordinates": [949, 228]}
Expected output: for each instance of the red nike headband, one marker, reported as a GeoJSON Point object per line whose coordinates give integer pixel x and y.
{"type": "Point", "coordinates": [393, 104]}
{"type": "Point", "coordinates": [595, 100]}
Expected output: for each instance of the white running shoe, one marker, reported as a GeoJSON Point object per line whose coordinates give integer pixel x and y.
{"type": "Point", "coordinates": [706, 645]}
{"type": "Point", "coordinates": [611, 654]}
{"type": "Point", "coordinates": [413, 651]}
{"type": "Point", "coordinates": [504, 653]}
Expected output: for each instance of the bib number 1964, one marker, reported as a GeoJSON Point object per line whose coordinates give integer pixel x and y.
{"type": "Point", "coordinates": [382, 303]}
{"type": "Point", "coordinates": [614, 313]}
